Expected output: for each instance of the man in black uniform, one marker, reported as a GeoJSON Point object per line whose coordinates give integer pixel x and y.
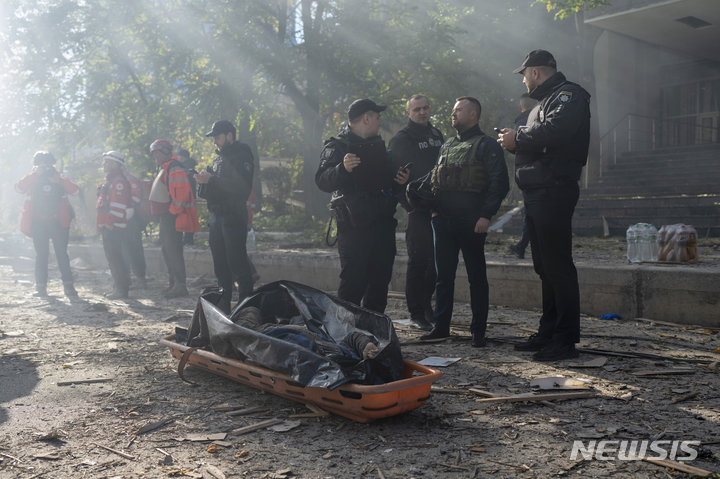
{"type": "Point", "coordinates": [471, 180]}
{"type": "Point", "coordinates": [549, 156]}
{"type": "Point", "coordinates": [226, 186]}
{"type": "Point", "coordinates": [365, 219]}
{"type": "Point", "coordinates": [419, 143]}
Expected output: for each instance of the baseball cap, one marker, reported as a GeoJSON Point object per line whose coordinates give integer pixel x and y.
{"type": "Point", "coordinates": [358, 107]}
{"type": "Point", "coordinates": [537, 58]}
{"type": "Point", "coordinates": [220, 127]}
{"type": "Point", "coordinates": [42, 157]}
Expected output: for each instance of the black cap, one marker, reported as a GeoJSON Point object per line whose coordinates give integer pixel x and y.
{"type": "Point", "coordinates": [537, 58]}
{"type": "Point", "coordinates": [358, 107]}
{"type": "Point", "coordinates": [183, 153]}
{"type": "Point", "coordinates": [220, 127]}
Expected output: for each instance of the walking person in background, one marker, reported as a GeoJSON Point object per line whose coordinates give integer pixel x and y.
{"type": "Point", "coordinates": [526, 104]}
{"type": "Point", "coordinates": [46, 215]}
{"type": "Point", "coordinates": [114, 200]}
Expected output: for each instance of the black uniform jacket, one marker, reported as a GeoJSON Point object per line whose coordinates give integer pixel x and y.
{"type": "Point", "coordinates": [460, 203]}
{"type": "Point", "coordinates": [553, 148]}
{"type": "Point", "coordinates": [332, 177]}
{"type": "Point", "coordinates": [418, 144]}
{"type": "Point", "coordinates": [231, 182]}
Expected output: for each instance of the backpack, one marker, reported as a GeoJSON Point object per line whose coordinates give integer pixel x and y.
{"type": "Point", "coordinates": [46, 199]}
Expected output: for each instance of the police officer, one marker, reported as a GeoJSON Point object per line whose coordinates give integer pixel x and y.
{"type": "Point", "coordinates": [471, 180]}
{"type": "Point", "coordinates": [226, 185]}
{"type": "Point", "coordinates": [549, 156]}
{"type": "Point", "coordinates": [418, 143]}
{"type": "Point", "coordinates": [365, 219]}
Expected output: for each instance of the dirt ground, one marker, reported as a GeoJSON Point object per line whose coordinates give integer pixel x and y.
{"type": "Point", "coordinates": [50, 430]}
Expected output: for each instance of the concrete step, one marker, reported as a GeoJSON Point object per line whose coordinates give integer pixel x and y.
{"type": "Point", "coordinates": [680, 188]}
{"type": "Point", "coordinates": [699, 150]}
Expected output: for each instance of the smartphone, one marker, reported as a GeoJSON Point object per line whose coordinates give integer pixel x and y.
{"type": "Point", "coordinates": [497, 130]}
{"type": "Point", "coordinates": [193, 171]}
{"type": "Point", "coordinates": [408, 166]}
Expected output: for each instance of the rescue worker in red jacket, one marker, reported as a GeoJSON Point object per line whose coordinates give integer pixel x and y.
{"type": "Point", "coordinates": [173, 200]}
{"type": "Point", "coordinates": [113, 205]}
{"type": "Point", "coordinates": [133, 250]}
{"type": "Point", "coordinates": [46, 215]}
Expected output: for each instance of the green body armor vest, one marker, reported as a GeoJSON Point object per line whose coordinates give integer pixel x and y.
{"type": "Point", "coordinates": [458, 170]}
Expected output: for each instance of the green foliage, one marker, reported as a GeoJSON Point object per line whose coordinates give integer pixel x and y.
{"type": "Point", "coordinates": [567, 8]}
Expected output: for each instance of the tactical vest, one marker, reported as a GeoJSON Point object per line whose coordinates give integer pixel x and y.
{"type": "Point", "coordinates": [458, 170]}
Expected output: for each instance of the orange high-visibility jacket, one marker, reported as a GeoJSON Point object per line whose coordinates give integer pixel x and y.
{"type": "Point", "coordinates": [26, 185]}
{"type": "Point", "coordinates": [182, 197]}
{"type": "Point", "coordinates": [114, 198]}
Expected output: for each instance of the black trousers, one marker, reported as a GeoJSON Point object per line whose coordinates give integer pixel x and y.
{"type": "Point", "coordinates": [453, 235]}
{"type": "Point", "coordinates": [42, 232]}
{"type": "Point", "coordinates": [113, 241]}
{"type": "Point", "coordinates": [172, 248]}
{"type": "Point", "coordinates": [133, 250]}
{"type": "Point", "coordinates": [549, 217]}
{"type": "Point", "coordinates": [525, 236]}
{"type": "Point", "coordinates": [420, 276]}
{"type": "Point", "coordinates": [366, 258]}
{"type": "Point", "coordinates": [228, 236]}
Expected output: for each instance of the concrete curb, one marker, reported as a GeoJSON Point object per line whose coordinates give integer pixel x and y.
{"type": "Point", "coordinates": [680, 294]}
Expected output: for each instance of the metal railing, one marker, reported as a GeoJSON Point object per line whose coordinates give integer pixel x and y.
{"type": "Point", "coordinates": [638, 132]}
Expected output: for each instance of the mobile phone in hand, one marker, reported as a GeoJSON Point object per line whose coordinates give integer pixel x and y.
{"type": "Point", "coordinates": [408, 166]}
{"type": "Point", "coordinates": [497, 130]}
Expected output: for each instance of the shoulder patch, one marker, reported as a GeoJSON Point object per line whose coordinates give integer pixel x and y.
{"type": "Point", "coordinates": [565, 96]}
{"type": "Point", "coordinates": [328, 152]}
{"type": "Point", "coordinates": [248, 167]}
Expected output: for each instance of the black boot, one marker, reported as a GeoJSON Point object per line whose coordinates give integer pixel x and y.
{"type": "Point", "coordinates": [435, 334]}
{"type": "Point", "coordinates": [40, 291]}
{"type": "Point", "coordinates": [69, 290]}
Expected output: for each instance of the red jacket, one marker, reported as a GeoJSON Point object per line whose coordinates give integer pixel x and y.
{"type": "Point", "coordinates": [27, 185]}
{"type": "Point", "coordinates": [114, 198]}
{"type": "Point", "coordinates": [182, 197]}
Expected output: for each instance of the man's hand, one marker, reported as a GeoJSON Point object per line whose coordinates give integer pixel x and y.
{"type": "Point", "coordinates": [203, 177]}
{"type": "Point", "coordinates": [54, 179]}
{"type": "Point", "coordinates": [109, 227]}
{"type": "Point", "coordinates": [402, 176]}
{"type": "Point", "coordinates": [350, 161]}
{"type": "Point", "coordinates": [482, 225]}
{"type": "Point", "coordinates": [370, 351]}
{"type": "Point", "coordinates": [507, 138]}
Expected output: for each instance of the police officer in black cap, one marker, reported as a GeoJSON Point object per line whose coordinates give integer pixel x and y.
{"type": "Point", "coordinates": [418, 143]}
{"type": "Point", "coordinates": [365, 218]}
{"type": "Point", "coordinates": [550, 153]}
{"type": "Point", "coordinates": [226, 185]}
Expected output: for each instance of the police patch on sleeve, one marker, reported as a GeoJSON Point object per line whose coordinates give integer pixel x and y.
{"type": "Point", "coordinates": [328, 152]}
{"type": "Point", "coordinates": [248, 167]}
{"type": "Point", "coordinates": [565, 96]}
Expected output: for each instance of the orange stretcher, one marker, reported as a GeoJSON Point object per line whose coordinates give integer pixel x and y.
{"type": "Point", "coordinates": [357, 402]}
